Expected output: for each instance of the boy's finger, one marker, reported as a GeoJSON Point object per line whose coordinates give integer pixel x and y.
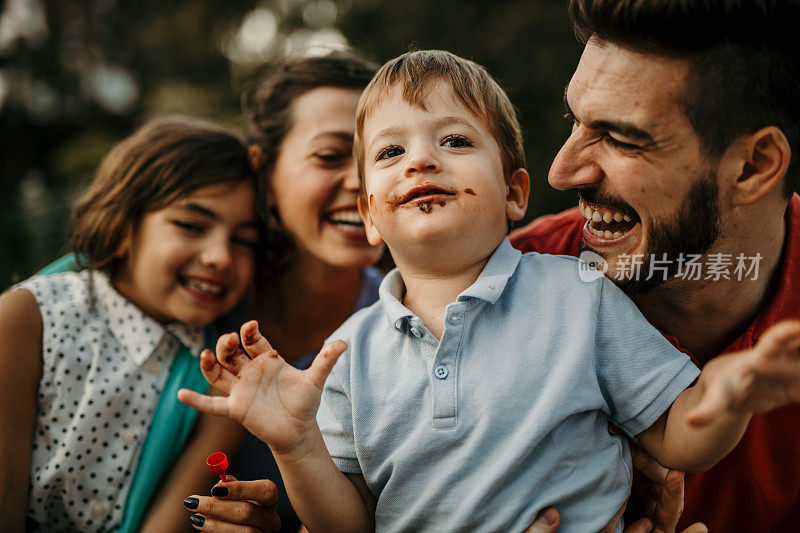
{"type": "Point", "coordinates": [229, 354]}
{"type": "Point", "coordinates": [324, 361]}
{"type": "Point", "coordinates": [781, 337]}
{"type": "Point", "coordinates": [215, 374]}
{"type": "Point", "coordinates": [216, 405]}
{"type": "Point", "coordinates": [253, 341]}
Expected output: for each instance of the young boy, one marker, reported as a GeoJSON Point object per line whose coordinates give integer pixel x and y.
{"type": "Point", "coordinates": [479, 389]}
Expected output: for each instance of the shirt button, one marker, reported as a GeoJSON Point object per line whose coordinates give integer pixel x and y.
{"type": "Point", "coordinates": [440, 372]}
{"type": "Point", "coordinates": [98, 510]}
{"type": "Point", "coordinates": [154, 367]}
{"type": "Point", "coordinates": [128, 436]}
{"type": "Point", "coordinates": [416, 332]}
{"type": "Point", "coordinates": [455, 318]}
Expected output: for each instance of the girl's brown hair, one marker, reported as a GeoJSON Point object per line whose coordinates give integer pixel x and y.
{"type": "Point", "coordinates": [162, 161]}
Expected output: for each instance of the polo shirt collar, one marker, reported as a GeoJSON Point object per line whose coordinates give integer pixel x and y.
{"type": "Point", "coordinates": [495, 275]}
{"type": "Point", "coordinates": [488, 287]}
{"type": "Point", "coordinates": [784, 303]}
{"type": "Point", "coordinates": [138, 334]}
{"type": "Point", "coordinates": [390, 293]}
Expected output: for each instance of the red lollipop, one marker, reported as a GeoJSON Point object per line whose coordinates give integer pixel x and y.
{"type": "Point", "coordinates": [218, 463]}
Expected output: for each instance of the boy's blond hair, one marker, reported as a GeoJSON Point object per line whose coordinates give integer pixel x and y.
{"type": "Point", "coordinates": [415, 72]}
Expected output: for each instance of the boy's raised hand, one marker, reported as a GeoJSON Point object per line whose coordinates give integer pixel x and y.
{"type": "Point", "coordinates": [753, 381]}
{"type": "Point", "coordinates": [275, 401]}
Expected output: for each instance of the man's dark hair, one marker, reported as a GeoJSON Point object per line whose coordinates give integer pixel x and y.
{"type": "Point", "coordinates": [743, 55]}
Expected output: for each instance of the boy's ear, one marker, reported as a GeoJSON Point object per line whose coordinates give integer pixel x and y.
{"type": "Point", "coordinates": [761, 165]}
{"type": "Point", "coordinates": [518, 187]}
{"type": "Point", "coordinates": [373, 237]}
{"type": "Point", "coordinates": [256, 157]}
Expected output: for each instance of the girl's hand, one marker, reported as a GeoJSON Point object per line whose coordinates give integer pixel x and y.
{"type": "Point", "coordinates": [247, 506]}
{"type": "Point", "coordinates": [275, 401]}
{"type": "Point", "coordinates": [753, 381]}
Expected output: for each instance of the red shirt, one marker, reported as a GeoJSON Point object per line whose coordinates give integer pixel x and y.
{"type": "Point", "coordinates": [757, 486]}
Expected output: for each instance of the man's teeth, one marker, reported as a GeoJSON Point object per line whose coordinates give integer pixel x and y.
{"type": "Point", "coordinates": [607, 234]}
{"type": "Point", "coordinates": [597, 215]}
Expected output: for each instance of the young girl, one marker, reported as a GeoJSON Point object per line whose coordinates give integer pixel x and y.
{"type": "Point", "coordinates": [166, 236]}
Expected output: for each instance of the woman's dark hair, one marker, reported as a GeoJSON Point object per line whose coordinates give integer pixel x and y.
{"type": "Point", "coordinates": [269, 113]}
{"type": "Point", "coordinates": [162, 161]}
{"type": "Point", "coordinates": [269, 108]}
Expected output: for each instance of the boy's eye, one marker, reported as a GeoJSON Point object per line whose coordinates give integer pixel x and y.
{"type": "Point", "coordinates": [189, 226]}
{"type": "Point", "coordinates": [389, 152]}
{"type": "Point", "coordinates": [456, 141]}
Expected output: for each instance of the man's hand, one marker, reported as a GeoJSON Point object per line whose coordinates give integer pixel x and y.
{"type": "Point", "coordinates": [275, 401]}
{"type": "Point", "coordinates": [665, 504]}
{"type": "Point", "coordinates": [248, 506]}
{"type": "Point", "coordinates": [752, 381]}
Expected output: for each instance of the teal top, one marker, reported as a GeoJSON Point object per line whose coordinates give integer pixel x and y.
{"type": "Point", "coordinates": [171, 425]}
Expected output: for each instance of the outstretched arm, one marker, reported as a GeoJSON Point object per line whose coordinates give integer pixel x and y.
{"type": "Point", "coordinates": [278, 404]}
{"type": "Point", "coordinates": [707, 420]}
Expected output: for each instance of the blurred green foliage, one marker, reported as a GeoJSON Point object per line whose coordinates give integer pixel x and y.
{"type": "Point", "coordinates": [77, 76]}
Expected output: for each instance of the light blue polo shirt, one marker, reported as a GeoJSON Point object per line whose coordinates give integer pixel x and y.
{"type": "Point", "coordinates": [509, 412]}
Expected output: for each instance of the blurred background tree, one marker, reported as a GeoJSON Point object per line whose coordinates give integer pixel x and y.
{"type": "Point", "coordinates": [77, 76]}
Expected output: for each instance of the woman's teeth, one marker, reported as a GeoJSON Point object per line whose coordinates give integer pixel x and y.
{"type": "Point", "coordinates": [347, 221]}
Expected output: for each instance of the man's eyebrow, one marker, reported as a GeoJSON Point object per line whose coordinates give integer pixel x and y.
{"type": "Point", "coordinates": [625, 129]}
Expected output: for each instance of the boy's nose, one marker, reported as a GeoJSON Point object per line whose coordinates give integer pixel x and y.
{"type": "Point", "coordinates": [575, 164]}
{"type": "Point", "coordinates": [420, 163]}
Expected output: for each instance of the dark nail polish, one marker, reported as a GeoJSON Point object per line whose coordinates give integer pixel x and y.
{"type": "Point", "coordinates": [197, 520]}
{"type": "Point", "coordinates": [191, 503]}
{"type": "Point", "coordinates": [219, 491]}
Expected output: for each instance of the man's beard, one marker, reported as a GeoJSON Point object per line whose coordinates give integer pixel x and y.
{"type": "Point", "coordinates": [694, 229]}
